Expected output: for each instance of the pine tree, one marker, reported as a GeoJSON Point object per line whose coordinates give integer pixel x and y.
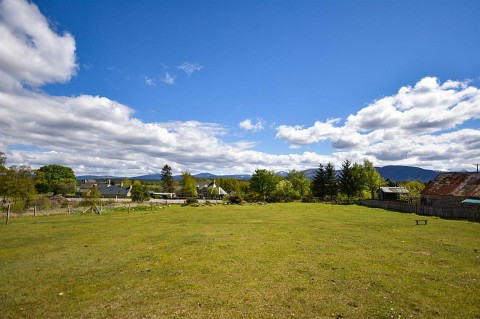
{"type": "Point", "coordinates": [166, 180]}
{"type": "Point", "coordinates": [346, 179]}
{"type": "Point", "coordinates": [319, 183]}
{"type": "Point", "coordinates": [331, 185]}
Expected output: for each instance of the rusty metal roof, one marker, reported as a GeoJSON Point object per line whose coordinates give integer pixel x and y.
{"type": "Point", "coordinates": [454, 184]}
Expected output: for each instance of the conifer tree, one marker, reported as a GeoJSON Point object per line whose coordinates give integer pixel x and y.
{"type": "Point", "coordinates": [331, 185]}
{"type": "Point", "coordinates": [166, 180]}
{"type": "Point", "coordinates": [319, 182]}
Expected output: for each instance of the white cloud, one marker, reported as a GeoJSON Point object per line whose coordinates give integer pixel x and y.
{"type": "Point", "coordinates": [419, 125]}
{"type": "Point", "coordinates": [150, 81]}
{"type": "Point", "coordinates": [248, 125]}
{"type": "Point", "coordinates": [31, 53]}
{"type": "Point", "coordinates": [413, 126]}
{"type": "Point", "coordinates": [189, 67]}
{"type": "Point", "coordinates": [168, 79]}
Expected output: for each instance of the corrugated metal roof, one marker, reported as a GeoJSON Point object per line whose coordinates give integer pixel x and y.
{"type": "Point", "coordinates": [454, 184]}
{"type": "Point", "coordinates": [394, 190]}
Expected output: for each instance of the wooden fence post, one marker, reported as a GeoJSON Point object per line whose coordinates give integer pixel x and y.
{"type": "Point", "coordinates": [8, 214]}
{"type": "Point", "coordinates": [35, 210]}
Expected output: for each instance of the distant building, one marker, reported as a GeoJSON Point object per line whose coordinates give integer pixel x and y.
{"type": "Point", "coordinates": [210, 190]}
{"type": "Point", "coordinates": [451, 189]}
{"type": "Point", "coordinates": [391, 193]}
{"type": "Point", "coordinates": [106, 189]}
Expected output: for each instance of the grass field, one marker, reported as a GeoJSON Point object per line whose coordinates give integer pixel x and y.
{"type": "Point", "coordinates": [272, 261]}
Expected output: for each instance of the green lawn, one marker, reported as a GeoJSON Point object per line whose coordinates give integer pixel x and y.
{"type": "Point", "coordinates": [273, 261]}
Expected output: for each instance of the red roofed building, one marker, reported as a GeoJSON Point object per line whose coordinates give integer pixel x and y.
{"type": "Point", "coordinates": [451, 189]}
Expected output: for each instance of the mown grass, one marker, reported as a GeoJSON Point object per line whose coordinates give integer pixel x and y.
{"type": "Point", "coordinates": [277, 260]}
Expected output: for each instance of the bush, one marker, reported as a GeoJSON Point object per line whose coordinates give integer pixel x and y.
{"type": "Point", "coordinates": [309, 199]}
{"type": "Point", "coordinates": [191, 200]}
{"type": "Point", "coordinates": [42, 202]}
{"type": "Point", "coordinates": [234, 199]}
{"type": "Point", "coordinates": [253, 197]}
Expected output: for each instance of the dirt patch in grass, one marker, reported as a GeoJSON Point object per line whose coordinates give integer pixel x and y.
{"type": "Point", "coordinates": [423, 252]}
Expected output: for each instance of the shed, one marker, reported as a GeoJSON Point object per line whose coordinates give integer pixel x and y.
{"type": "Point", "coordinates": [391, 193]}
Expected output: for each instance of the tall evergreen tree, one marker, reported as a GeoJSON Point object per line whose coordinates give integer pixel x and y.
{"type": "Point", "coordinates": [166, 180]}
{"type": "Point", "coordinates": [346, 179]}
{"type": "Point", "coordinates": [331, 185]}
{"type": "Point", "coordinates": [318, 185]}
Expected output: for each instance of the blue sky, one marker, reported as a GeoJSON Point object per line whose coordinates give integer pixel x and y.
{"type": "Point", "coordinates": [231, 86]}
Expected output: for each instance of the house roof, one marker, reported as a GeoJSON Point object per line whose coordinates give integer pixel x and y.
{"type": "Point", "coordinates": [87, 184]}
{"type": "Point", "coordinates": [394, 190]}
{"type": "Point", "coordinates": [114, 190]}
{"type": "Point", "coordinates": [203, 184]}
{"type": "Point", "coordinates": [454, 184]}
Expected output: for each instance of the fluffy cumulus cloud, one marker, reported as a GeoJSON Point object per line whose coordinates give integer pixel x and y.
{"type": "Point", "coordinates": [248, 125]}
{"type": "Point", "coordinates": [420, 125]}
{"type": "Point", "coordinates": [31, 53]}
{"type": "Point", "coordinates": [94, 134]}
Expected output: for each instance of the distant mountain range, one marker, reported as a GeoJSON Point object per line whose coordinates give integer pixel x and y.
{"type": "Point", "coordinates": [395, 173]}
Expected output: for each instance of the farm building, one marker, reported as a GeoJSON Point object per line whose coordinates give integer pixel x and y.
{"type": "Point", "coordinates": [451, 189]}
{"type": "Point", "coordinates": [391, 193]}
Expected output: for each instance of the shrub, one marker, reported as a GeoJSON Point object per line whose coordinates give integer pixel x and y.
{"type": "Point", "coordinates": [234, 199]}
{"type": "Point", "coordinates": [309, 199]}
{"type": "Point", "coordinates": [191, 200]}
{"type": "Point", "coordinates": [42, 202]}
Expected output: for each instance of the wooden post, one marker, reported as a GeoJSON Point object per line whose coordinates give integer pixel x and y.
{"type": "Point", "coordinates": [8, 214]}
{"type": "Point", "coordinates": [35, 210]}
{"type": "Point", "coordinates": [68, 209]}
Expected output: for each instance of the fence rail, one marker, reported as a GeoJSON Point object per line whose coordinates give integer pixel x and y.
{"type": "Point", "coordinates": [461, 212]}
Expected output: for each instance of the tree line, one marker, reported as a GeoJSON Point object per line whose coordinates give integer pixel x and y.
{"type": "Point", "coordinates": [21, 185]}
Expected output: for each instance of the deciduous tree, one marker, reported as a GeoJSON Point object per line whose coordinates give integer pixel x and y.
{"type": "Point", "coordinates": [373, 180]}
{"type": "Point", "coordinates": [139, 192]}
{"type": "Point", "coordinates": [189, 185]}
{"type": "Point", "coordinates": [263, 182]}
{"type": "Point", "coordinates": [300, 182]}
{"type": "Point", "coordinates": [55, 179]}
